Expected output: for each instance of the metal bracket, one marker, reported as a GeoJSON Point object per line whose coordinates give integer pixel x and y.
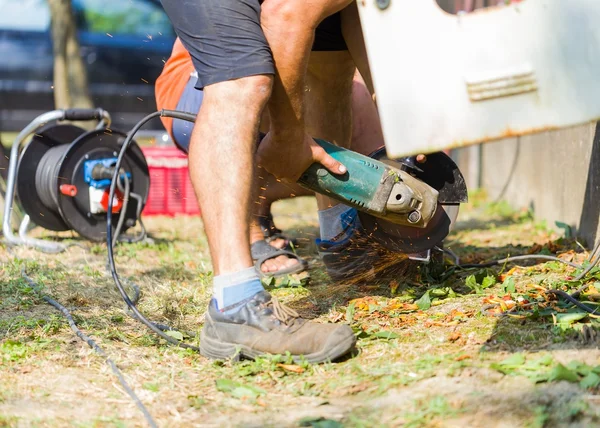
{"type": "Point", "coordinates": [424, 256]}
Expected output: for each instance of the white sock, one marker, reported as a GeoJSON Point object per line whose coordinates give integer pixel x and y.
{"type": "Point", "coordinates": [233, 288]}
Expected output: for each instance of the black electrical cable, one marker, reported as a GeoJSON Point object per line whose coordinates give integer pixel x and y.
{"type": "Point", "coordinates": [592, 263]}
{"type": "Point", "coordinates": [157, 329]}
{"type": "Point", "coordinates": [517, 258]}
{"type": "Point", "coordinates": [127, 193]}
{"type": "Point", "coordinates": [92, 344]}
{"type": "Point", "coordinates": [569, 297]}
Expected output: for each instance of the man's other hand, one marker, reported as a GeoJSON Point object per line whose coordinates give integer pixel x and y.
{"type": "Point", "coordinates": [287, 160]}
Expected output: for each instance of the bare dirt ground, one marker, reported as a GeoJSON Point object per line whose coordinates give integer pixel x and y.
{"type": "Point", "coordinates": [459, 348]}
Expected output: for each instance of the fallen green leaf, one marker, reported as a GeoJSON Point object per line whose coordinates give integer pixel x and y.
{"type": "Point", "coordinates": [592, 380]}
{"type": "Point", "coordinates": [440, 292]}
{"type": "Point", "coordinates": [560, 372]}
{"type": "Point", "coordinates": [383, 334]}
{"type": "Point", "coordinates": [226, 385]}
{"type": "Point", "coordinates": [565, 321]}
{"type": "Point", "coordinates": [268, 281]}
{"type": "Point", "coordinates": [509, 364]}
{"type": "Point", "coordinates": [488, 281]}
{"type": "Point", "coordinates": [546, 360]}
{"type": "Point", "coordinates": [580, 368]}
{"type": "Point", "coordinates": [237, 389]}
{"type": "Point", "coordinates": [570, 317]}
{"type": "Point", "coordinates": [174, 334]}
{"type": "Point", "coordinates": [514, 360]}
{"type": "Point", "coordinates": [508, 286]}
{"type": "Point", "coordinates": [247, 391]}
{"type": "Point", "coordinates": [565, 227]}
{"type": "Point", "coordinates": [350, 312]}
{"type": "Point", "coordinates": [471, 282]}
{"type": "Point", "coordinates": [424, 302]}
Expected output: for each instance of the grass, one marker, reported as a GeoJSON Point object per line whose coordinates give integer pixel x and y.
{"type": "Point", "coordinates": [430, 352]}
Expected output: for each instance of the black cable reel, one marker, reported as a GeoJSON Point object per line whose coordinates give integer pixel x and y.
{"type": "Point", "coordinates": [64, 175]}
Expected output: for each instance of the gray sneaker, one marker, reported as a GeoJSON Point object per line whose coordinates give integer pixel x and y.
{"type": "Point", "coordinates": [265, 326]}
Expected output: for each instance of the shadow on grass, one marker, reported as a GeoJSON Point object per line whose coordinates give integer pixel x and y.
{"type": "Point", "coordinates": [171, 272]}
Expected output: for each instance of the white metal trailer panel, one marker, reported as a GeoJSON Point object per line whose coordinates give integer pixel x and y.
{"type": "Point", "coordinates": [445, 81]}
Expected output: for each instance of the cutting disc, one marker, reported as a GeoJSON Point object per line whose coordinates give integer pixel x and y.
{"type": "Point", "coordinates": [441, 173]}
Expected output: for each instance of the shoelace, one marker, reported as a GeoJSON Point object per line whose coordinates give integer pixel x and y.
{"type": "Point", "coordinates": [283, 313]}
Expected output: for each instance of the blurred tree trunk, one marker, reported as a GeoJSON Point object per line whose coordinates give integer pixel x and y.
{"type": "Point", "coordinates": [70, 75]}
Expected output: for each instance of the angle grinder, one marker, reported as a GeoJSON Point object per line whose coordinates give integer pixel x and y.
{"type": "Point", "coordinates": [407, 205]}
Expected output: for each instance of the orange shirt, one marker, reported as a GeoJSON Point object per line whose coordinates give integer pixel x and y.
{"type": "Point", "coordinates": [171, 82]}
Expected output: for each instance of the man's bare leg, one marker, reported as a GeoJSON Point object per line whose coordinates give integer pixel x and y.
{"type": "Point", "coordinates": [353, 35]}
{"type": "Point", "coordinates": [221, 166]}
{"type": "Point", "coordinates": [268, 188]}
{"type": "Point", "coordinates": [367, 135]}
{"type": "Point", "coordinates": [329, 102]}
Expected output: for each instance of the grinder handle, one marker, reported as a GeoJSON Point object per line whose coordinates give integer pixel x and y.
{"type": "Point", "coordinates": [365, 186]}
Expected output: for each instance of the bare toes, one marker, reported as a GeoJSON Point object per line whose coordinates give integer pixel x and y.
{"type": "Point", "coordinates": [278, 243]}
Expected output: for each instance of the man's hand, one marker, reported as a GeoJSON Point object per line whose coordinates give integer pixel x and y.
{"type": "Point", "coordinates": [287, 160]}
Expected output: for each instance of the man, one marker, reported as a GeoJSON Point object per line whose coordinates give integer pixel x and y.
{"type": "Point", "coordinates": [252, 55]}
{"type": "Point", "coordinates": [175, 90]}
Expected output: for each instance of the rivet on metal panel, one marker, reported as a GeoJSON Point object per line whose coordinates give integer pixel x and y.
{"type": "Point", "coordinates": [382, 4]}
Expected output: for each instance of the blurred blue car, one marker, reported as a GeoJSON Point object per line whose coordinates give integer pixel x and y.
{"type": "Point", "coordinates": [124, 44]}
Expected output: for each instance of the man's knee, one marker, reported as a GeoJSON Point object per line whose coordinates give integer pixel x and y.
{"type": "Point", "coordinates": [251, 91]}
{"type": "Point", "coordinates": [256, 89]}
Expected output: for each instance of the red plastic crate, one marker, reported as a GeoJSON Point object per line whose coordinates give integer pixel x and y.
{"type": "Point", "coordinates": [171, 190]}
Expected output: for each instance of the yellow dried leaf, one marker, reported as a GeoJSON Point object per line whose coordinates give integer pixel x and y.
{"type": "Point", "coordinates": [537, 287]}
{"type": "Point", "coordinates": [454, 336]}
{"type": "Point", "coordinates": [291, 368]}
{"type": "Point", "coordinates": [462, 357]}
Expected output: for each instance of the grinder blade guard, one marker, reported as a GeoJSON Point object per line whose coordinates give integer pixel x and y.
{"type": "Point", "coordinates": [62, 178]}
{"type": "Point", "coordinates": [438, 171]}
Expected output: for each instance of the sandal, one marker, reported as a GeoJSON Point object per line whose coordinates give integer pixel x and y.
{"type": "Point", "coordinates": [267, 225]}
{"type": "Point", "coordinates": [262, 251]}
{"type": "Point", "coordinates": [272, 232]}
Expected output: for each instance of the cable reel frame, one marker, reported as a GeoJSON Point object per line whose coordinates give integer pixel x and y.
{"type": "Point", "coordinates": [56, 186]}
